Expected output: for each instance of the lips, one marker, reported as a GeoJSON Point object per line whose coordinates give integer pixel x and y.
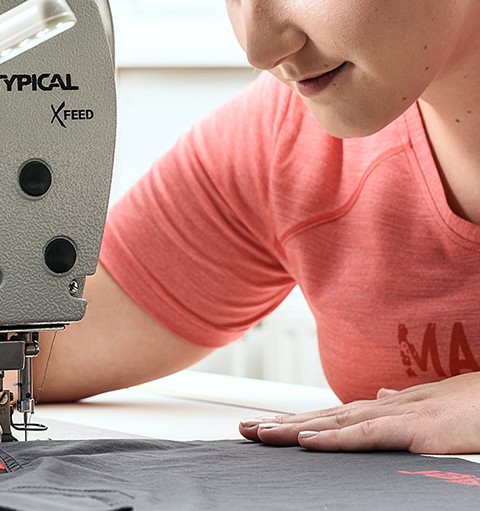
{"type": "Point", "coordinates": [311, 87]}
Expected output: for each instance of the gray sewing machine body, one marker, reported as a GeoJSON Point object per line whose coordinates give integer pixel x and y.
{"type": "Point", "coordinates": [58, 110]}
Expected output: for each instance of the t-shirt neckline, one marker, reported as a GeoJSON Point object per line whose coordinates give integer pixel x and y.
{"type": "Point", "coordinates": [422, 160]}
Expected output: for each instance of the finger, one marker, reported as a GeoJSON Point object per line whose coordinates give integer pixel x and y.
{"type": "Point", "coordinates": [248, 427]}
{"type": "Point", "coordinates": [385, 392]}
{"type": "Point", "coordinates": [286, 433]}
{"type": "Point", "coordinates": [277, 431]}
{"type": "Point", "coordinates": [273, 433]}
{"type": "Point", "coordinates": [383, 433]}
{"type": "Point", "coordinates": [279, 434]}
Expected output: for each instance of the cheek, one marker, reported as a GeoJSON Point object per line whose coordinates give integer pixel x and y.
{"type": "Point", "coordinates": [394, 40]}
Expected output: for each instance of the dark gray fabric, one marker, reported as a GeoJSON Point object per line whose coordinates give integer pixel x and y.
{"type": "Point", "coordinates": [228, 474]}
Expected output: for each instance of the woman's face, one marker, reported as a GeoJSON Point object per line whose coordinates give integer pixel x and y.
{"type": "Point", "coordinates": [376, 56]}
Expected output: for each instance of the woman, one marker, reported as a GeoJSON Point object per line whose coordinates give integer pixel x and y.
{"type": "Point", "coordinates": [353, 171]}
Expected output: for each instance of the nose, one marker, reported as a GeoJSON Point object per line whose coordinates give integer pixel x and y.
{"type": "Point", "coordinates": [267, 32]}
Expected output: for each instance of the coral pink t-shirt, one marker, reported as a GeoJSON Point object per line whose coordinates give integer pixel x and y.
{"type": "Point", "coordinates": [258, 198]}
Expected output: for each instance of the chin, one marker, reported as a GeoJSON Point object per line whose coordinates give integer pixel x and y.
{"type": "Point", "coordinates": [351, 127]}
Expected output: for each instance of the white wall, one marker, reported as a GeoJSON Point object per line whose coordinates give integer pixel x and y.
{"type": "Point", "coordinates": [156, 105]}
{"type": "Point", "coordinates": [177, 60]}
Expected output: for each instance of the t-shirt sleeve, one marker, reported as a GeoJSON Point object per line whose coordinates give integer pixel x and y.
{"type": "Point", "coordinates": [194, 241]}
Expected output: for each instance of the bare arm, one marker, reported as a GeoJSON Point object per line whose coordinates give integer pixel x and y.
{"type": "Point", "coordinates": [116, 345]}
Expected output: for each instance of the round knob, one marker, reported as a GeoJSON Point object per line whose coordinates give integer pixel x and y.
{"type": "Point", "coordinates": [60, 255]}
{"type": "Point", "coordinates": [35, 178]}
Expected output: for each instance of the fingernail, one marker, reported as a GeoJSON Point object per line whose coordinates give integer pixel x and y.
{"type": "Point", "coordinates": [251, 423]}
{"type": "Point", "coordinates": [268, 425]}
{"type": "Point", "coordinates": [307, 434]}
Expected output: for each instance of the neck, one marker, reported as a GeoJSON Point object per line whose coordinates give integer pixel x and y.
{"type": "Point", "coordinates": [452, 101]}
{"type": "Point", "coordinates": [451, 113]}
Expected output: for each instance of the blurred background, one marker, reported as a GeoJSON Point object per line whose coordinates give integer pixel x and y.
{"type": "Point", "coordinates": [177, 61]}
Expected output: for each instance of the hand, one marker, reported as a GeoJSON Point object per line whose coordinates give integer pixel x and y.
{"type": "Point", "coordinates": [434, 418]}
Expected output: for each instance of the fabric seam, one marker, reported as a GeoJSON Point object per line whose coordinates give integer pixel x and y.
{"type": "Point", "coordinates": [77, 492]}
{"type": "Point", "coordinates": [348, 204]}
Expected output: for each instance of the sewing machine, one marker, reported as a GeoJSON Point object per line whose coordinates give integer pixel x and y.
{"type": "Point", "coordinates": [58, 109]}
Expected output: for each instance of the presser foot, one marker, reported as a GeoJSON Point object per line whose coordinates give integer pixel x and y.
{"type": "Point", "coordinates": [6, 420]}
{"type": "Point", "coordinates": [28, 426]}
